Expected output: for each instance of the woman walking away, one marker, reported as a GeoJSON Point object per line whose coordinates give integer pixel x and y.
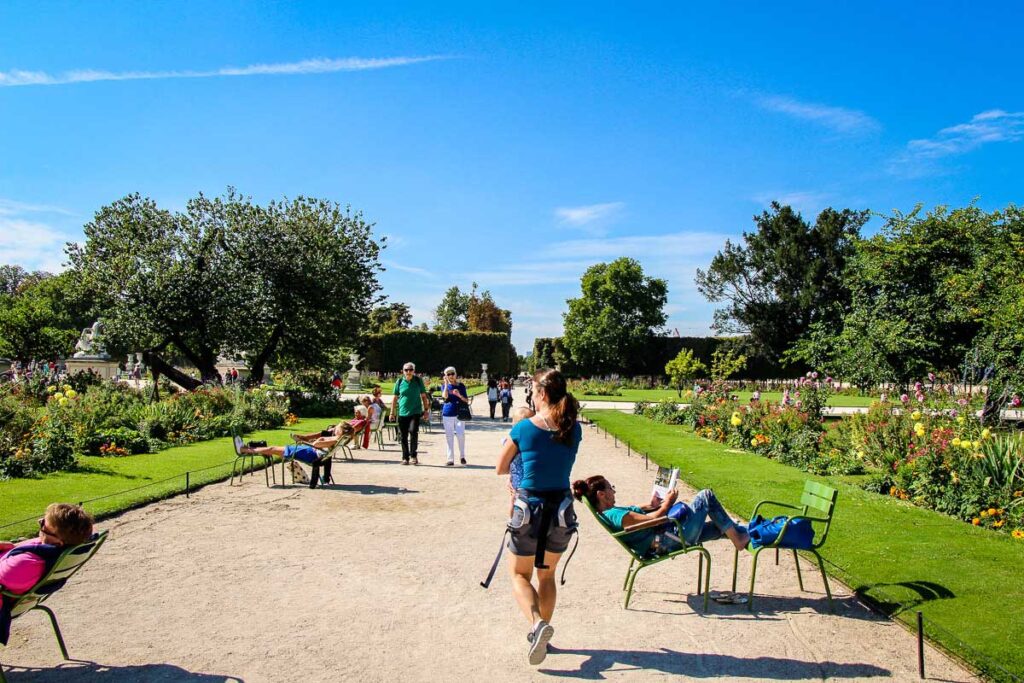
{"type": "Point", "coordinates": [453, 393]}
{"type": "Point", "coordinates": [492, 395]}
{"type": "Point", "coordinates": [505, 396]}
{"type": "Point", "coordinates": [408, 406]}
{"type": "Point", "coordinates": [543, 519]}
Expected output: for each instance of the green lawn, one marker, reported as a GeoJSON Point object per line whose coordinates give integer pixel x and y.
{"type": "Point", "coordinates": [634, 395]}
{"type": "Point", "coordinates": [96, 477]}
{"type": "Point", "coordinates": [967, 581]}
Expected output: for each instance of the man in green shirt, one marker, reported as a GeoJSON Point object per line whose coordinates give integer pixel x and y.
{"type": "Point", "coordinates": [409, 405]}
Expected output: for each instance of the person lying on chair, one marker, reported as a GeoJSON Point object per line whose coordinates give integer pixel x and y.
{"type": "Point", "coordinates": [311, 453]}
{"type": "Point", "coordinates": [22, 565]}
{"type": "Point", "coordinates": [657, 532]}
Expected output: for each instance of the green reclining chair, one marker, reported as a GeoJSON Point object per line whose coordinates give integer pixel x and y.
{"type": "Point", "coordinates": [69, 562]}
{"type": "Point", "coordinates": [643, 561]}
{"type": "Point", "coordinates": [816, 504]}
{"type": "Point", "coordinates": [238, 466]}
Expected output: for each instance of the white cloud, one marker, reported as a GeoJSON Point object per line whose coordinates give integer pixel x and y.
{"type": "Point", "coordinates": [17, 77]}
{"type": "Point", "coordinates": [31, 244]}
{"type": "Point", "coordinates": [642, 247]}
{"type": "Point", "coordinates": [839, 119]}
{"type": "Point", "coordinates": [423, 272]}
{"type": "Point", "coordinates": [9, 207]}
{"type": "Point", "coordinates": [591, 218]}
{"type": "Point", "coordinates": [994, 125]}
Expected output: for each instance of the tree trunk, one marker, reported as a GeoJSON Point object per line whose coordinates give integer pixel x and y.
{"type": "Point", "coordinates": [258, 364]}
{"type": "Point", "coordinates": [159, 366]}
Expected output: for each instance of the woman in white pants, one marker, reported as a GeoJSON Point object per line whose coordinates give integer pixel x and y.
{"type": "Point", "coordinates": [453, 393]}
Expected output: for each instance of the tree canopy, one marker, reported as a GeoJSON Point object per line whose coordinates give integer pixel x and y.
{"type": "Point", "coordinates": [288, 282]}
{"type": "Point", "coordinates": [41, 315]}
{"type": "Point", "coordinates": [393, 316]}
{"type": "Point", "coordinates": [786, 276]}
{"type": "Point", "coordinates": [618, 312]}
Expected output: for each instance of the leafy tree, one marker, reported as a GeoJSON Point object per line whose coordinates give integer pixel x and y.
{"type": "Point", "coordinates": [682, 369]}
{"type": "Point", "coordinates": [289, 281]}
{"type": "Point", "coordinates": [786, 276]}
{"type": "Point", "coordinates": [453, 311]}
{"type": "Point", "coordinates": [40, 314]}
{"type": "Point", "coordinates": [483, 315]}
{"type": "Point", "coordinates": [617, 314]}
{"type": "Point", "coordinates": [726, 361]}
{"type": "Point", "coordinates": [393, 316]}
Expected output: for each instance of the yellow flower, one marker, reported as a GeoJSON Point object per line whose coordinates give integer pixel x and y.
{"type": "Point", "coordinates": [986, 433]}
{"type": "Point", "coordinates": [860, 455]}
{"type": "Point", "coordinates": [63, 401]}
{"type": "Point", "coordinates": [72, 393]}
{"type": "Point", "coordinates": [916, 415]}
{"type": "Point", "coordinates": [960, 420]}
{"type": "Point", "coordinates": [1018, 533]}
{"type": "Point", "coordinates": [736, 421]}
{"type": "Point", "coordinates": [1018, 494]}
{"type": "Point", "coordinates": [992, 511]}
{"type": "Point", "coordinates": [966, 445]}
{"type": "Point", "coordinates": [984, 513]}
{"type": "Point", "coordinates": [975, 521]}
{"type": "Point", "coordinates": [753, 442]}
{"type": "Point", "coordinates": [51, 388]}
{"type": "Point", "coordinates": [58, 396]}
{"type": "Point", "coordinates": [954, 477]}
{"type": "Point", "coordinates": [977, 445]}
{"type": "Point", "coordinates": [999, 524]}
{"type": "Point", "coordinates": [892, 490]}
{"type": "Point", "coordinates": [956, 443]}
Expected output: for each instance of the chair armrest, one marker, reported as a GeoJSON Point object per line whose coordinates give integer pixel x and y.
{"type": "Point", "coordinates": [776, 504]}
{"type": "Point", "coordinates": [650, 523]}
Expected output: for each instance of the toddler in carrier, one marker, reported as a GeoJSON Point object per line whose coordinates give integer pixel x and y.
{"type": "Point", "coordinates": [515, 468]}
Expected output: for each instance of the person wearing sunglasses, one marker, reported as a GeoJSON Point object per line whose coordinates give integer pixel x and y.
{"type": "Point", "coordinates": [410, 404]}
{"type": "Point", "coordinates": [453, 394]}
{"type": "Point", "coordinates": [23, 564]}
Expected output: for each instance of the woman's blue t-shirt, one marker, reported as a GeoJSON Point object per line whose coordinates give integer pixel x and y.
{"type": "Point", "coordinates": [546, 463]}
{"type": "Point", "coordinates": [639, 541]}
{"type": "Point", "coordinates": [451, 404]}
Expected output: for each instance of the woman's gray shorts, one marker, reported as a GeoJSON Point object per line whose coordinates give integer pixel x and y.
{"type": "Point", "coordinates": [522, 544]}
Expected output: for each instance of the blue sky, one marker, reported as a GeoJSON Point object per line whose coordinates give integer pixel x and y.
{"type": "Point", "coordinates": [515, 145]}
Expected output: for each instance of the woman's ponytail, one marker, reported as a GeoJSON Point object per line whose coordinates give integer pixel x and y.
{"type": "Point", "coordinates": [563, 406]}
{"type": "Point", "coordinates": [589, 487]}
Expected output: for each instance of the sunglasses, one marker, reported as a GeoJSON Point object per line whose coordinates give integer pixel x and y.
{"type": "Point", "coordinates": [408, 370]}
{"type": "Point", "coordinates": [42, 527]}
{"type": "Point", "coordinates": [449, 374]}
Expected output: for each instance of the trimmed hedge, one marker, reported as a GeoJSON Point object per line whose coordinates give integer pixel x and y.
{"type": "Point", "coordinates": [432, 352]}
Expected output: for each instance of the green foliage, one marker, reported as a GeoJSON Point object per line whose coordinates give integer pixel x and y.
{"type": "Point", "coordinates": [682, 369]}
{"type": "Point", "coordinates": [594, 387]}
{"type": "Point", "coordinates": [726, 362]}
{"type": "Point", "coordinates": [229, 277]}
{"type": "Point", "coordinates": [452, 313]}
{"type": "Point", "coordinates": [786, 276]}
{"type": "Point", "coordinates": [617, 314]}
{"type": "Point", "coordinates": [393, 316]}
{"type": "Point", "coordinates": [41, 315]}
{"type": "Point", "coordinates": [433, 351]}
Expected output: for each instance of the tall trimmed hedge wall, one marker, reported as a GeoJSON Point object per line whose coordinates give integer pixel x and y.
{"type": "Point", "coordinates": [432, 352]}
{"type": "Point", "coordinates": [660, 350]}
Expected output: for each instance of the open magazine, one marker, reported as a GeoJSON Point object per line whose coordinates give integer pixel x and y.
{"type": "Point", "coordinates": [665, 481]}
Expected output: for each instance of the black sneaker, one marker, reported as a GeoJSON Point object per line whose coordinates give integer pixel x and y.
{"type": "Point", "coordinates": [449, 464]}
{"type": "Point", "coordinates": [463, 461]}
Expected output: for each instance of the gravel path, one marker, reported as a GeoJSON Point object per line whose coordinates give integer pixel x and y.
{"type": "Point", "coordinates": [377, 579]}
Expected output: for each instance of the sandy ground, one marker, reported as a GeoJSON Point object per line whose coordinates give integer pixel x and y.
{"type": "Point", "coordinates": [377, 579]}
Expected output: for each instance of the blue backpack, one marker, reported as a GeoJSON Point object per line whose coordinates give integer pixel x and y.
{"type": "Point", "coordinates": [764, 532]}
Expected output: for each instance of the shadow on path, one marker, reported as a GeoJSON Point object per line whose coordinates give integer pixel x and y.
{"type": "Point", "coordinates": [81, 670]}
{"type": "Point", "coordinates": [707, 666]}
{"type": "Point", "coordinates": [893, 598]}
{"type": "Point", "coordinates": [370, 489]}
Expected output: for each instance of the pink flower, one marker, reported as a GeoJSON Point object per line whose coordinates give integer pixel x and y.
{"type": "Point", "coordinates": [799, 404]}
{"type": "Point", "coordinates": [904, 398]}
{"type": "Point", "coordinates": [1015, 401]}
{"type": "Point", "coordinates": [962, 401]}
{"type": "Point", "coordinates": [954, 413]}
{"type": "Point", "coordinates": [931, 376]}
{"type": "Point", "coordinates": [828, 380]}
{"type": "Point", "coordinates": [920, 397]}
{"type": "Point", "coordinates": [814, 375]}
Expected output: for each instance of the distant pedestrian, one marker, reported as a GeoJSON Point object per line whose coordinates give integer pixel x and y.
{"type": "Point", "coordinates": [492, 395]}
{"type": "Point", "coordinates": [454, 394]}
{"type": "Point", "coordinates": [409, 405]}
{"type": "Point", "coordinates": [505, 397]}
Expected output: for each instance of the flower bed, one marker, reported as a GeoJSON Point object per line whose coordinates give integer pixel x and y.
{"type": "Point", "coordinates": [927, 448]}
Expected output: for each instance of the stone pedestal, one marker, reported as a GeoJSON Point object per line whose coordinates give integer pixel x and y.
{"type": "Point", "coordinates": [353, 380]}
{"type": "Point", "coordinates": [104, 367]}
{"type": "Point", "coordinates": [483, 372]}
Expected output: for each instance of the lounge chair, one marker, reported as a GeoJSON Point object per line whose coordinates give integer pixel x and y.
{"type": "Point", "coordinates": [69, 562]}
{"type": "Point", "coordinates": [238, 466]}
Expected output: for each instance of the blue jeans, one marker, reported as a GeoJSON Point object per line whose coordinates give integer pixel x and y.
{"type": "Point", "coordinates": [697, 528]}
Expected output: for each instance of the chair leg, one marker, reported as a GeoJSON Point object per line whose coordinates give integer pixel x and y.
{"type": "Point", "coordinates": [753, 578]}
{"type": "Point", "coordinates": [707, 577]}
{"type": "Point", "coordinates": [700, 570]}
{"type": "Point", "coordinates": [629, 587]}
{"type": "Point", "coordinates": [824, 577]}
{"type": "Point", "coordinates": [776, 557]}
{"type": "Point", "coordinates": [735, 567]}
{"type": "Point", "coordinates": [628, 572]}
{"type": "Point", "coordinates": [799, 576]}
{"type": "Point", "coordinates": [268, 467]}
{"type": "Point", "coordinates": [3, 679]}
{"type": "Point", "coordinates": [56, 629]}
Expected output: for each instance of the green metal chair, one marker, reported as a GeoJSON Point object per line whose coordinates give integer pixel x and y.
{"type": "Point", "coordinates": [638, 562]}
{"type": "Point", "coordinates": [238, 466]}
{"type": "Point", "coordinates": [817, 504]}
{"type": "Point", "coordinates": [69, 562]}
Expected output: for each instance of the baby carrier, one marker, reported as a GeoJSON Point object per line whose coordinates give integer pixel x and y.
{"type": "Point", "coordinates": [539, 510]}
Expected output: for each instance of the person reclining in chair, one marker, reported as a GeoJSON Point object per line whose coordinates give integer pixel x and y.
{"type": "Point", "coordinates": [22, 565]}
{"type": "Point", "coordinates": [657, 533]}
{"type": "Point", "coordinates": [311, 450]}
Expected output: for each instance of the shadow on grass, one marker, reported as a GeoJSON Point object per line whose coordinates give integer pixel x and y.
{"type": "Point", "coordinates": [707, 665]}
{"type": "Point", "coordinates": [893, 598]}
{"type": "Point", "coordinates": [81, 670]}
